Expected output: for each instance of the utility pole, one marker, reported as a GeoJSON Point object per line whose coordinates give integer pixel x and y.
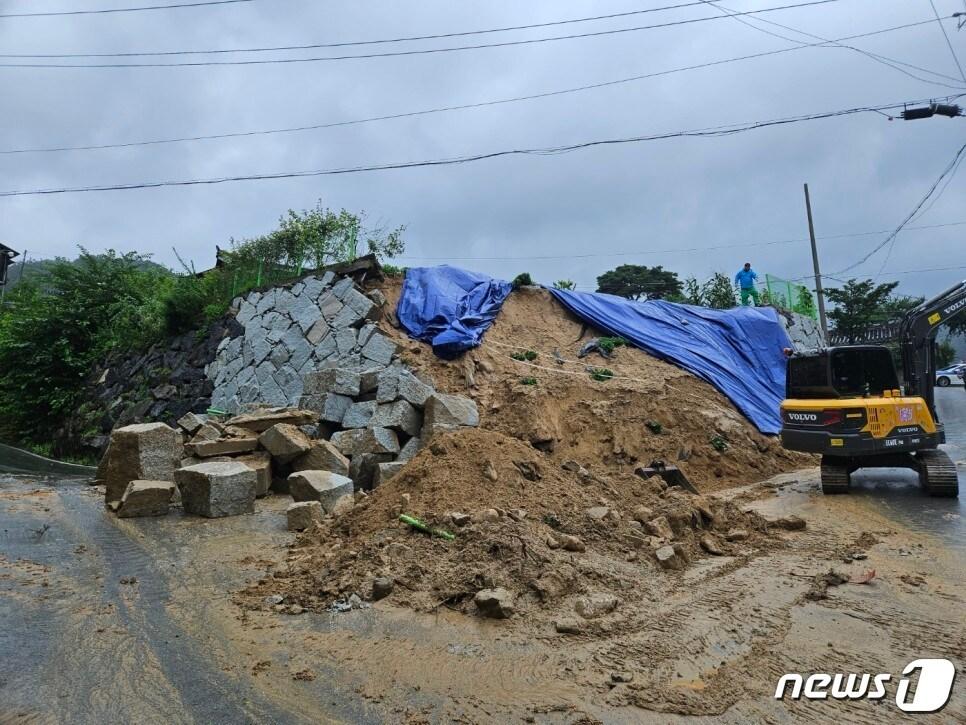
{"type": "Point", "coordinates": [823, 321]}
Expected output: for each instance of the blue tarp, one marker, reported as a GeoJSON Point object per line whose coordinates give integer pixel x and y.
{"type": "Point", "coordinates": [449, 307]}
{"type": "Point", "coordinates": [738, 351]}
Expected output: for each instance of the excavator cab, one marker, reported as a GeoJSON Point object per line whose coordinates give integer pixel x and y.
{"type": "Point", "coordinates": [846, 404]}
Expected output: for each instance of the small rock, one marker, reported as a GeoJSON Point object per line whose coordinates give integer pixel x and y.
{"type": "Point", "coordinates": [517, 514]}
{"type": "Point", "coordinates": [273, 599]}
{"type": "Point", "coordinates": [669, 558]}
{"type": "Point", "coordinates": [736, 535]}
{"type": "Point", "coordinates": [642, 514]}
{"type": "Point", "coordinates": [570, 543]}
{"type": "Point", "coordinates": [460, 519]}
{"type": "Point", "coordinates": [710, 545]}
{"type": "Point", "coordinates": [621, 677]}
{"type": "Point", "coordinates": [382, 587]}
{"type": "Point", "coordinates": [659, 527]}
{"type": "Point", "coordinates": [598, 513]}
{"type": "Point", "coordinates": [489, 472]}
{"type": "Point", "coordinates": [486, 516]}
{"type": "Point", "coordinates": [495, 603]}
{"type": "Point", "coordinates": [592, 606]}
{"type": "Point", "coordinates": [790, 523]}
{"type": "Point", "coordinates": [571, 466]}
{"type": "Point", "coordinates": [568, 625]}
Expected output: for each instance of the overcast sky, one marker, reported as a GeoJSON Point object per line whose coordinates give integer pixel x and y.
{"type": "Point", "coordinates": [864, 171]}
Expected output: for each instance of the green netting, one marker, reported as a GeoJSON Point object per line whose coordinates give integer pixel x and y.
{"type": "Point", "coordinates": [790, 296]}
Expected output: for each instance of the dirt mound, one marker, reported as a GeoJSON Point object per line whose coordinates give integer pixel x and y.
{"type": "Point", "coordinates": [548, 535]}
{"type": "Point", "coordinates": [649, 410]}
{"type": "Point", "coordinates": [546, 502]}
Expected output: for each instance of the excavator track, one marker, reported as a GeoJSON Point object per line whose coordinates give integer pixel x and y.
{"type": "Point", "coordinates": [836, 477]}
{"type": "Point", "coordinates": [937, 474]}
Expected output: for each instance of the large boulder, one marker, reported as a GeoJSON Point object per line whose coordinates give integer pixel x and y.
{"type": "Point", "coordinates": [364, 466]}
{"type": "Point", "coordinates": [331, 380]}
{"type": "Point", "coordinates": [218, 488]}
{"type": "Point", "coordinates": [285, 442]}
{"type": "Point", "coordinates": [145, 498]}
{"type": "Point", "coordinates": [385, 471]}
{"type": "Point", "coordinates": [261, 463]}
{"type": "Point", "coordinates": [142, 452]}
{"type": "Point", "coordinates": [447, 412]}
{"type": "Point", "coordinates": [223, 446]}
{"type": "Point", "coordinates": [397, 383]}
{"type": "Point", "coordinates": [366, 440]}
{"type": "Point", "coordinates": [264, 419]}
{"type": "Point", "coordinates": [400, 415]}
{"type": "Point", "coordinates": [322, 456]}
{"type": "Point", "coordinates": [302, 514]}
{"type": "Point", "coordinates": [323, 486]}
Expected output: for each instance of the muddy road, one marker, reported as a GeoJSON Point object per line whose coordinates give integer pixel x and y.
{"type": "Point", "coordinates": [118, 621]}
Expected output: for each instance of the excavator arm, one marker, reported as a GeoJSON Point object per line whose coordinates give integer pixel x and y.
{"type": "Point", "coordinates": [917, 340]}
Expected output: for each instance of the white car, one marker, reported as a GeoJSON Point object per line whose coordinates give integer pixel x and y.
{"type": "Point", "coordinates": [947, 376]}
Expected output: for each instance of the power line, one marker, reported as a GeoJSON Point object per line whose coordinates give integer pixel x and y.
{"type": "Point", "coordinates": [883, 59]}
{"type": "Point", "coordinates": [546, 151]}
{"type": "Point", "coordinates": [122, 10]}
{"type": "Point", "coordinates": [949, 178]}
{"type": "Point", "coordinates": [670, 250]}
{"type": "Point", "coordinates": [344, 44]}
{"type": "Point", "coordinates": [444, 109]}
{"type": "Point", "coordinates": [424, 51]}
{"type": "Point", "coordinates": [895, 233]}
{"type": "Point", "coordinates": [948, 42]}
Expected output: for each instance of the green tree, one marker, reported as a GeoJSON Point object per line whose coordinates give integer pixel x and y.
{"type": "Point", "coordinates": [565, 284]}
{"type": "Point", "coordinates": [634, 281]}
{"type": "Point", "coordinates": [56, 328]}
{"type": "Point", "coordinates": [858, 304]}
{"type": "Point", "coordinates": [716, 292]}
{"type": "Point", "coordinates": [945, 354]}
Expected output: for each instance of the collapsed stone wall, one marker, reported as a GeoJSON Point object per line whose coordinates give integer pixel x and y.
{"type": "Point", "coordinates": [804, 332]}
{"type": "Point", "coordinates": [321, 321]}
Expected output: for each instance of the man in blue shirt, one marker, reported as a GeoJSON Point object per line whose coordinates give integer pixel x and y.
{"type": "Point", "coordinates": [745, 279]}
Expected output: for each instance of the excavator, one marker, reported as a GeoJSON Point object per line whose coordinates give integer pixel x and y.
{"type": "Point", "coordinates": [845, 403]}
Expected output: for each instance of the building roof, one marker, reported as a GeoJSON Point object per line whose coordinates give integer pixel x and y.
{"type": "Point", "coordinates": [10, 253]}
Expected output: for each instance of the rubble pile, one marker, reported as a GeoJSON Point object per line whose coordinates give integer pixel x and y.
{"type": "Point", "coordinates": [532, 539]}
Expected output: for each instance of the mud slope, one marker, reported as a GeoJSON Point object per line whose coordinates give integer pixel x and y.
{"type": "Point", "coordinates": [568, 415]}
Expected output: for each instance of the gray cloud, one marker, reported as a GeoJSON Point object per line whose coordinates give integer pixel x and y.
{"type": "Point", "coordinates": [865, 172]}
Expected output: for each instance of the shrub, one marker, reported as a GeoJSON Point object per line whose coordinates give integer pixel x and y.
{"type": "Point", "coordinates": [654, 426]}
{"type": "Point", "coordinates": [57, 329]}
{"type": "Point", "coordinates": [565, 284]}
{"type": "Point", "coordinates": [601, 374]}
{"type": "Point", "coordinates": [522, 280]}
{"type": "Point", "coordinates": [719, 443]}
{"type": "Point", "coordinates": [607, 344]}
{"type": "Point", "coordinates": [529, 381]}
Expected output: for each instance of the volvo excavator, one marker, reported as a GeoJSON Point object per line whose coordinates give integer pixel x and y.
{"type": "Point", "coordinates": [846, 404]}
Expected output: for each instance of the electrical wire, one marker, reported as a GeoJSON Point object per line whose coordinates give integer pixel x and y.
{"type": "Point", "coordinates": [546, 151]}
{"type": "Point", "coordinates": [890, 240]}
{"type": "Point", "coordinates": [445, 109]}
{"type": "Point", "coordinates": [948, 42]}
{"type": "Point", "coordinates": [671, 250]}
{"type": "Point", "coordinates": [423, 51]}
{"type": "Point", "coordinates": [343, 44]}
{"type": "Point", "coordinates": [123, 10]}
{"type": "Point", "coordinates": [883, 59]}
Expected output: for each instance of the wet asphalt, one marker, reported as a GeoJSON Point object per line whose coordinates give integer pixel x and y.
{"type": "Point", "coordinates": [897, 491]}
